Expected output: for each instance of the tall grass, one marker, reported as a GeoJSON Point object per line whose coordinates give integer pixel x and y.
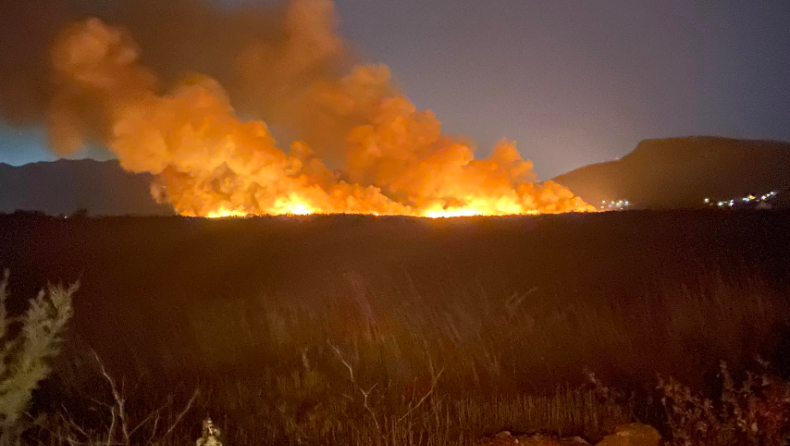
{"type": "Point", "coordinates": [443, 421]}
{"type": "Point", "coordinates": [352, 331]}
{"type": "Point", "coordinates": [526, 341]}
{"type": "Point", "coordinates": [367, 365]}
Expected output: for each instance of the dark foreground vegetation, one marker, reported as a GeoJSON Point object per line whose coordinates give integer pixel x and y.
{"type": "Point", "coordinates": [347, 330]}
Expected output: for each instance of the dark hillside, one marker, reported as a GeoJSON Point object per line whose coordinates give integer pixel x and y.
{"type": "Point", "coordinates": [65, 186]}
{"type": "Point", "coordinates": [681, 172]}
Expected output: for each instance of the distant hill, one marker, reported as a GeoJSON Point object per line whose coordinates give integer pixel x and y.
{"type": "Point", "coordinates": [658, 174]}
{"type": "Point", "coordinates": [65, 186]}
{"type": "Point", "coordinates": [682, 172]}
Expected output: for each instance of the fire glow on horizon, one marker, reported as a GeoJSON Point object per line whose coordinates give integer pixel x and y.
{"type": "Point", "coordinates": [366, 149]}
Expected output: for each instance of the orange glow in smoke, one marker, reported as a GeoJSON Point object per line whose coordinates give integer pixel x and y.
{"type": "Point", "coordinates": [367, 149]}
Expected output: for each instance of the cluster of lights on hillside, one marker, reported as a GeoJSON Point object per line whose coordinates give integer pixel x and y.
{"type": "Point", "coordinates": [747, 200]}
{"type": "Point", "coordinates": [612, 205]}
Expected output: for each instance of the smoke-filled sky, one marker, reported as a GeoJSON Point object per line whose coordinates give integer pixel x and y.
{"type": "Point", "coordinates": [572, 82]}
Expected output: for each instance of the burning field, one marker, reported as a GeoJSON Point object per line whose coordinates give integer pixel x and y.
{"type": "Point", "coordinates": [377, 327]}
{"type": "Point", "coordinates": [348, 140]}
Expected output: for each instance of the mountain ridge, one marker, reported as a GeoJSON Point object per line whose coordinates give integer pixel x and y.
{"type": "Point", "coordinates": [63, 187]}
{"type": "Point", "coordinates": [681, 172]}
{"type": "Point", "coordinates": [661, 173]}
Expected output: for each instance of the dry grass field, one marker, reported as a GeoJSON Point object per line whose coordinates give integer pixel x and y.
{"type": "Point", "coordinates": [351, 330]}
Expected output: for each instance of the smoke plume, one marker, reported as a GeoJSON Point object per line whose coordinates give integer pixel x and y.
{"type": "Point", "coordinates": [161, 96]}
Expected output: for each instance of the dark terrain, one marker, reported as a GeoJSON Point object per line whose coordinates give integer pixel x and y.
{"type": "Point", "coordinates": [493, 312]}
{"type": "Point", "coordinates": [67, 186]}
{"type": "Point", "coordinates": [678, 173]}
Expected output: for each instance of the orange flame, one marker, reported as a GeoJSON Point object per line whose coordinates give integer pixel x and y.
{"type": "Point", "coordinates": [225, 213]}
{"type": "Point", "coordinates": [392, 159]}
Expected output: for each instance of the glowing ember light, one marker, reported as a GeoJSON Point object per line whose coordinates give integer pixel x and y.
{"type": "Point", "coordinates": [226, 213]}
{"type": "Point", "coordinates": [449, 213]}
{"type": "Point", "coordinates": [293, 208]}
{"type": "Point", "coordinates": [301, 209]}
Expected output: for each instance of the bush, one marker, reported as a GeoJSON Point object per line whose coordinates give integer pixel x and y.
{"type": "Point", "coordinates": [26, 346]}
{"type": "Point", "coordinates": [754, 412]}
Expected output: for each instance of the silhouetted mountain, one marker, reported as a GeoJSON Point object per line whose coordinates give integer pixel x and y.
{"type": "Point", "coordinates": [660, 173]}
{"type": "Point", "coordinates": [682, 172]}
{"type": "Point", "coordinates": [65, 186]}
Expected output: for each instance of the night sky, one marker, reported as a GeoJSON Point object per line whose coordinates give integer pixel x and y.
{"type": "Point", "coordinates": [574, 82]}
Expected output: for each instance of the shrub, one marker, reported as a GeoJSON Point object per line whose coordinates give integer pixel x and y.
{"type": "Point", "coordinates": [754, 412]}
{"type": "Point", "coordinates": [26, 346]}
